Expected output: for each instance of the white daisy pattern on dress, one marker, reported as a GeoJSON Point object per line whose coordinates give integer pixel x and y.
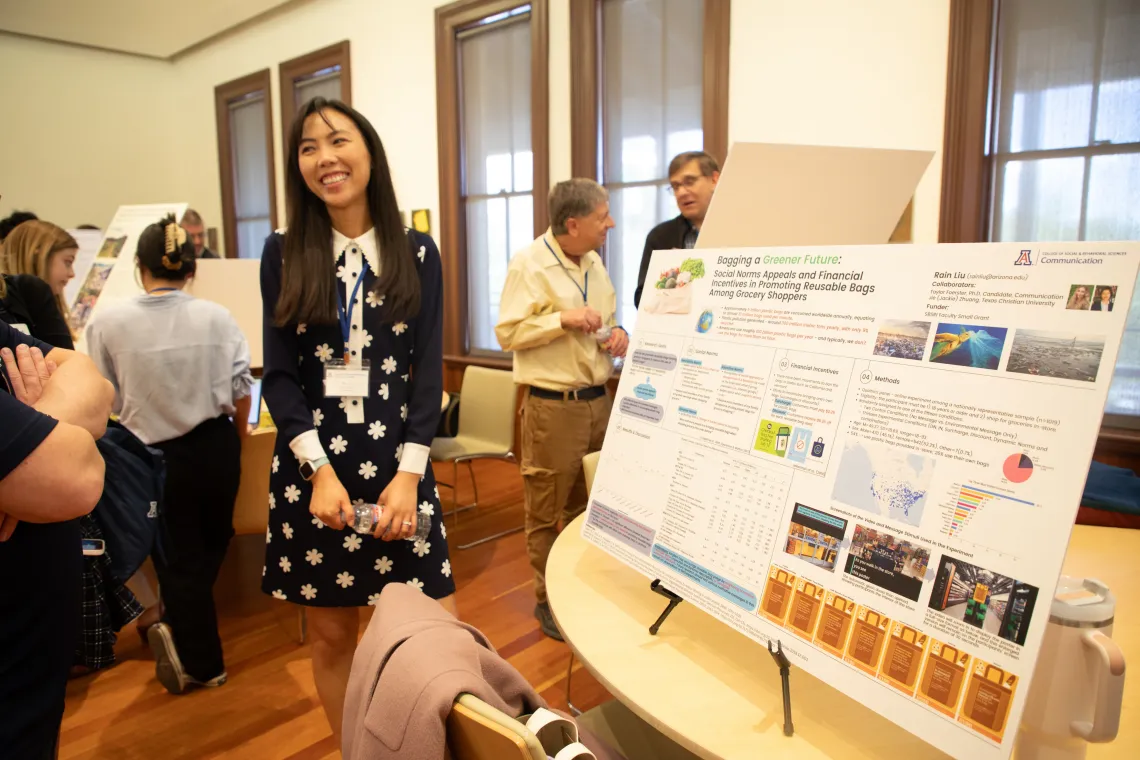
{"type": "Point", "coordinates": [288, 531]}
{"type": "Point", "coordinates": [276, 463]}
{"type": "Point", "coordinates": [367, 338]}
{"type": "Point", "coordinates": [317, 521]}
{"type": "Point", "coordinates": [383, 392]}
{"type": "Point", "coordinates": [405, 378]}
{"type": "Point", "coordinates": [352, 542]}
{"type": "Point", "coordinates": [373, 600]}
{"type": "Point", "coordinates": [399, 452]}
{"type": "Point", "coordinates": [318, 417]}
{"type": "Point", "coordinates": [443, 529]}
{"type": "Point", "coordinates": [377, 430]}
{"type": "Point", "coordinates": [338, 445]}
{"type": "Point", "coordinates": [285, 564]}
{"type": "Point", "coordinates": [368, 470]}
{"type": "Point", "coordinates": [389, 365]}
{"type": "Point", "coordinates": [268, 536]}
{"type": "Point", "coordinates": [374, 300]}
{"type": "Point", "coordinates": [279, 594]}
{"type": "Point", "coordinates": [308, 591]}
{"type": "Point", "coordinates": [399, 328]}
{"type": "Point", "coordinates": [422, 252]}
{"type": "Point", "coordinates": [422, 548]}
{"type": "Point", "coordinates": [314, 557]}
{"type": "Point", "coordinates": [446, 568]}
{"type": "Point", "coordinates": [417, 584]}
{"type": "Point", "coordinates": [323, 352]}
{"type": "Point", "coordinates": [343, 275]}
{"type": "Point", "coordinates": [383, 565]}
{"type": "Point", "coordinates": [404, 412]}
{"type": "Point", "coordinates": [344, 580]}
{"type": "Point", "coordinates": [272, 501]}
{"type": "Point", "coordinates": [301, 328]}
{"type": "Point", "coordinates": [427, 508]}
{"type": "Point", "coordinates": [292, 494]}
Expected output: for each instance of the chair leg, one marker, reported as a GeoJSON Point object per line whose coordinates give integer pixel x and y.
{"type": "Point", "coordinates": [474, 483]}
{"type": "Point", "coordinates": [303, 623]}
{"type": "Point", "coordinates": [487, 539]}
{"type": "Point", "coordinates": [569, 672]}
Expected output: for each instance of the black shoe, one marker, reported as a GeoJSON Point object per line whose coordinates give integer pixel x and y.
{"type": "Point", "coordinates": [546, 621]}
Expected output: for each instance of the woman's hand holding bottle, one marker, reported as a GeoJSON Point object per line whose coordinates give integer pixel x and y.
{"type": "Point", "coordinates": [330, 503]}
{"type": "Point", "coordinates": [399, 503]}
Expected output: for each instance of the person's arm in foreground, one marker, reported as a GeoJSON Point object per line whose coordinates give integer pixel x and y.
{"type": "Point", "coordinates": [36, 439]}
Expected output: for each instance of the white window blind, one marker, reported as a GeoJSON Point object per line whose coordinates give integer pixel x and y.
{"type": "Point", "coordinates": [1066, 139]}
{"type": "Point", "coordinates": [248, 133]}
{"type": "Point", "coordinates": [325, 84]}
{"type": "Point", "coordinates": [651, 71]}
{"type": "Point", "coordinates": [498, 179]}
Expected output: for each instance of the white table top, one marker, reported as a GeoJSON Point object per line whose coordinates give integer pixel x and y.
{"type": "Point", "coordinates": [717, 693]}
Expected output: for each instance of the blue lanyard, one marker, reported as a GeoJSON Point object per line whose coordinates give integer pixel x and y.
{"type": "Point", "coordinates": [345, 316]}
{"type": "Point", "coordinates": [585, 276]}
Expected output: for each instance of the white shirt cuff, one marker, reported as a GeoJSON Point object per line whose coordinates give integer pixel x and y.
{"type": "Point", "coordinates": [307, 447]}
{"type": "Point", "coordinates": [414, 458]}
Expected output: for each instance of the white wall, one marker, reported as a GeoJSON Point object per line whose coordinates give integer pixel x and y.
{"type": "Point", "coordinates": [867, 74]}
{"type": "Point", "coordinates": [84, 131]}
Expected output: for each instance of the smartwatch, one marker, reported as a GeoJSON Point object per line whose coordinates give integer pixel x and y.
{"type": "Point", "coordinates": [309, 469]}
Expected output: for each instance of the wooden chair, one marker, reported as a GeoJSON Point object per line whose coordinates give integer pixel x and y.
{"type": "Point", "coordinates": [478, 731]}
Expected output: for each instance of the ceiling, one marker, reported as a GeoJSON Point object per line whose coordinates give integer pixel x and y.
{"type": "Point", "coordinates": [156, 28]}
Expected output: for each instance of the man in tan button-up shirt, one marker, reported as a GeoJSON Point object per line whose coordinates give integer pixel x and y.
{"type": "Point", "coordinates": [558, 305]}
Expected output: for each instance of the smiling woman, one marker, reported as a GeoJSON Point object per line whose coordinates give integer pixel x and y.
{"type": "Point", "coordinates": [353, 308]}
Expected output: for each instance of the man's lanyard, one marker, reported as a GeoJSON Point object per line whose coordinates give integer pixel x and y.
{"type": "Point", "coordinates": [345, 316]}
{"type": "Point", "coordinates": [585, 276]}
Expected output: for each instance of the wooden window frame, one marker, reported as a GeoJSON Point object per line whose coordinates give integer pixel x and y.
{"type": "Point", "coordinates": [449, 21]}
{"type": "Point", "coordinates": [586, 92]}
{"type": "Point", "coordinates": [967, 162]}
{"type": "Point", "coordinates": [289, 72]}
{"type": "Point", "coordinates": [224, 94]}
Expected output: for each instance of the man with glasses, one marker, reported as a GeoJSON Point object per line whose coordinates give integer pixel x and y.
{"type": "Point", "coordinates": [692, 178]}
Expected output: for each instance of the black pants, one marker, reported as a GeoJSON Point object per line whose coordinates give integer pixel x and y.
{"type": "Point", "coordinates": [203, 469]}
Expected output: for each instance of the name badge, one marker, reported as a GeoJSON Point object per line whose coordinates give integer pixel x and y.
{"type": "Point", "coordinates": [346, 379]}
{"type": "Point", "coordinates": [21, 327]}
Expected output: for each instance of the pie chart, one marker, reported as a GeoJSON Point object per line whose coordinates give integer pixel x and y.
{"type": "Point", "coordinates": [1017, 468]}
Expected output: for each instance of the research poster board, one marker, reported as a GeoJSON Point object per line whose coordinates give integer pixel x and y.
{"type": "Point", "coordinates": [89, 242]}
{"type": "Point", "coordinates": [874, 454]}
{"type": "Point", "coordinates": [104, 280]}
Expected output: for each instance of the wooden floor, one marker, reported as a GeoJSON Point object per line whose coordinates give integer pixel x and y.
{"type": "Point", "coordinates": [269, 708]}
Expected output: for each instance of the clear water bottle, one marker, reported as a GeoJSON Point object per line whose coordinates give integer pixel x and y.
{"type": "Point", "coordinates": [367, 515]}
{"type": "Point", "coordinates": [603, 333]}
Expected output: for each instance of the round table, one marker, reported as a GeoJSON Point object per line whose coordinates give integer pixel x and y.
{"type": "Point", "coordinates": [717, 693]}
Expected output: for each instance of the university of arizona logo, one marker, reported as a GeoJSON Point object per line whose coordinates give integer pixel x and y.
{"type": "Point", "coordinates": [1023, 259]}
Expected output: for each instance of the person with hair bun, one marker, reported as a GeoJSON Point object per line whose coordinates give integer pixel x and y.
{"type": "Point", "coordinates": [181, 370]}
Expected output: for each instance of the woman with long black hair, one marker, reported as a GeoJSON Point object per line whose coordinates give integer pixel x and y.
{"type": "Point", "coordinates": [353, 311]}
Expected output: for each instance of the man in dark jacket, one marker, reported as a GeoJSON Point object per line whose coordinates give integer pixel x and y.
{"type": "Point", "coordinates": [692, 177]}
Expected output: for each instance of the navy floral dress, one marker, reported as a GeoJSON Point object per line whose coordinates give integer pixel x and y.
{"type": "Point", "coordinates": [307, 562]}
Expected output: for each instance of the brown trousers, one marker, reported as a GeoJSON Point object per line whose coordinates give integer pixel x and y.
{"type": "Point", "coordinates": [556, 435]}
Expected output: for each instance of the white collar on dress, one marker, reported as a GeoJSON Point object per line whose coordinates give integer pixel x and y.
{"type": "Point", "coordinates": [367, 244]}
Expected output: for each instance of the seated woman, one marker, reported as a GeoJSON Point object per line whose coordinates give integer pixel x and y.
{"type": "Point", "coordinates": [38, 259]}
{"type": "Point", "coordinates": [180, 368]}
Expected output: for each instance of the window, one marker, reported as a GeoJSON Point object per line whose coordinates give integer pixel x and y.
{"type": "Point", "coordinates": [326, 72]}
{"type": "Point", "coordinates": [493, 156]}
{"type": "Point", "coordinates": [641, 97]}
{"type": "Point", "coordinates": [1060, 156]}
{"type": "Point", "coordinates": [245, 162]}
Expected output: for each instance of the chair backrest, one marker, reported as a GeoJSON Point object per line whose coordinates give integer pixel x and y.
{"type": "Point", "coordinates": [589, 467]}
{"type": "Point", "coordinates": [478, 731]}
{"type": "Point", "coordinates": [487, 407]}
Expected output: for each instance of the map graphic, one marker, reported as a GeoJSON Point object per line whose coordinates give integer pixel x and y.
{"type": "Point", "coordinates": [883, 481]}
